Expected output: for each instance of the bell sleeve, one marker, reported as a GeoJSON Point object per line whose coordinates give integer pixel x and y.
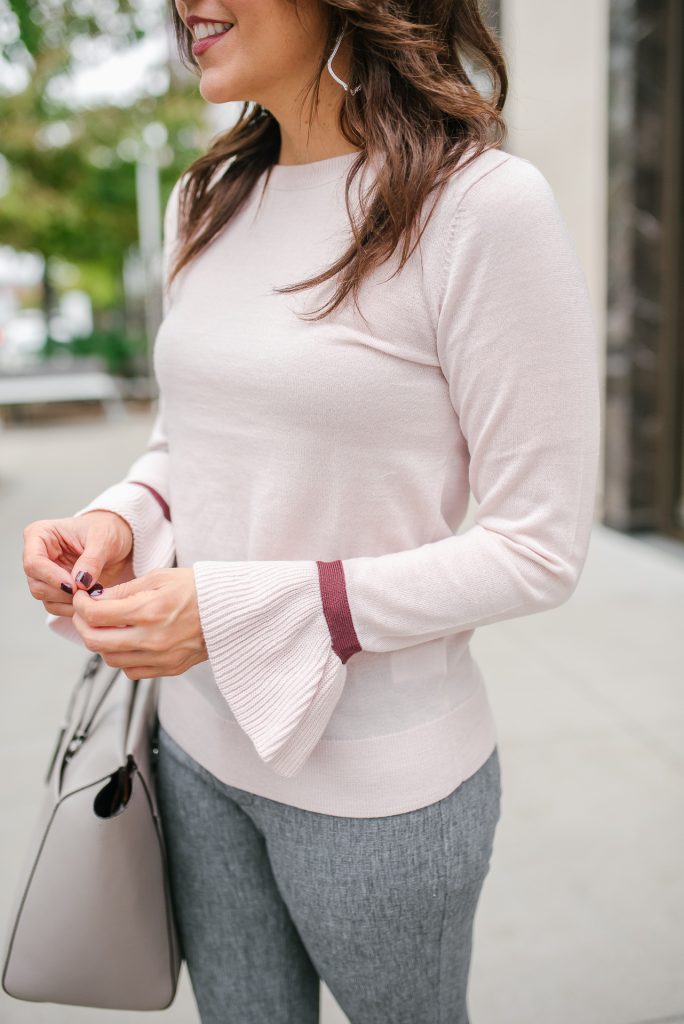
{"type": "Point", "coordinates": [517, 345]}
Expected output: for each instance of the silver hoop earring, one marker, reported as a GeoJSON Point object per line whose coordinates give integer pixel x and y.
{"type": "Point", "coordinates": [330, 60]}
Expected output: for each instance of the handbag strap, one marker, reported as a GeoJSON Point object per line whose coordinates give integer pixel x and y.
{"type": "Point", "coordinates": [86, 677]}
{"type": "Point", "coordinates": [84, 729]}
{"type": "Point", "coordinates": [81, 728]}
{"type": "Point", "coordinates": [88, 674]}
{"type": "Point", "coordinates": [85, 723]}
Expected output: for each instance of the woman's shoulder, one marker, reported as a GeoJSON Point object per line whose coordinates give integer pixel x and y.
{"type": "Point", "coordinates": [495, 182]}
{"type": "Point", "coordinates": [494, 196]}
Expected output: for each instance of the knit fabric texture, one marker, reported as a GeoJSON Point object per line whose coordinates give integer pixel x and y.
{"type": "Point", "coordinates": [316, 475]}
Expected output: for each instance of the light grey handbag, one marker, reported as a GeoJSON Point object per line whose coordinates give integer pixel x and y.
{"type": "Point", "coordinates": [93, 921]}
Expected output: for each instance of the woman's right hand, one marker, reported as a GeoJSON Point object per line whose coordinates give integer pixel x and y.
{"type": "Point", "coordinates": [98, 543]}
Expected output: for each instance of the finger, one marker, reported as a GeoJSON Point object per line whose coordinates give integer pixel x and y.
{"type": "Point", "coordinates": [38, 565]}
{"type": "Point", "coordinates": [87, 569]}
{"type": "Point", "coordinates": [146, 672]}
{"type": "Point", "coordinates": [114, 641]}
{"type": "Point", "coordinates": [44, 592]}
{"type": "Point", "coordinates": [100, 613]}
{"type": "Point", "coordinates": [101, 544]}
{"type": "Point", "coordinates": [153, 580]}
{"type": "Point", "coordinates": [66, 610]}
{"type": "Point", "coordinates": [126, 659]}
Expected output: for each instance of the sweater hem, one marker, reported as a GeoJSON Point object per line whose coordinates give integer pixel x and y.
{"type": "Point", "coordinates": [368, 777]}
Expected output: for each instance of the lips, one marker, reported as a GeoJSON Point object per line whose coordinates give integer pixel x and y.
{"type": "Point", "coordinates": [200, 45]}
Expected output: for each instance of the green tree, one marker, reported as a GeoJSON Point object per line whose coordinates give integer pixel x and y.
{"type": "Point", "coordinates": [69, 170]}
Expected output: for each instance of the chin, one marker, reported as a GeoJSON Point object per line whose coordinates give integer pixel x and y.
{"type": "Point", "coordinates": [216, 95]}
{"type": "Point", "coordinates": [214, 90]}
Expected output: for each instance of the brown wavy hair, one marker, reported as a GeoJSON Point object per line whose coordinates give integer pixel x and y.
{"type": "Point", "coordinates": [416, 114]}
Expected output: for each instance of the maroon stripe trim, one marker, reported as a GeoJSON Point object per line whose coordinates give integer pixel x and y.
{"type": "Point", "coordinates": [164, 504]}
{"type": "Point", "coordinates": [336, 609]}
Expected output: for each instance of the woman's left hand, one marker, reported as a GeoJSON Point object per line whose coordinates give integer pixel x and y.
{"type": "Point", "coordinates": [149, 626]}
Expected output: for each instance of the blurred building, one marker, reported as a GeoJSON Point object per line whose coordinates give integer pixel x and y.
{"type": "Point", "coordinates": [597, 102]}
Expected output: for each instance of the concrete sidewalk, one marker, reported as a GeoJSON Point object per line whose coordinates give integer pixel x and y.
{"type": "Point", "coordinates": [580, 920]}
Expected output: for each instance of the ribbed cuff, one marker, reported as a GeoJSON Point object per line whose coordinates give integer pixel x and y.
{"type": "Point", "coordinates": [153, 542]}
{"type": "Point", "coordinates": [271, 654]}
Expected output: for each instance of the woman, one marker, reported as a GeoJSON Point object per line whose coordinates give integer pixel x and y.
{"type": "Point", "coordinates": [371, 310]}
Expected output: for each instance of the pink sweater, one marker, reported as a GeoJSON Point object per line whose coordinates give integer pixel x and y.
{"type": "Point", "coordinates": [316, 475]}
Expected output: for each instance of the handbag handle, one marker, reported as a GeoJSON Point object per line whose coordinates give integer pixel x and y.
{"type": "Point", "coordinates": [81, 729]}
{"type": "Point", "coordinates": [88, 672]}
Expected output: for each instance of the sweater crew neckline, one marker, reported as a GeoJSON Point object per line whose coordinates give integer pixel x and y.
{"type": "Point", "coordinates": [318, 172]}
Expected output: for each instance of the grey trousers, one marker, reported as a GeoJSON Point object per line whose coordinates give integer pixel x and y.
{"type": "Point", "coordinates": [270, 898]}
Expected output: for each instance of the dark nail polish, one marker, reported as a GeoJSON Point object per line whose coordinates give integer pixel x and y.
{"type": "Point", "coordinates": [96, 588]}
{"type": "Point", "coordinates": [67, 588]}
{"type": "Point", "coordinates": [84, 577]}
